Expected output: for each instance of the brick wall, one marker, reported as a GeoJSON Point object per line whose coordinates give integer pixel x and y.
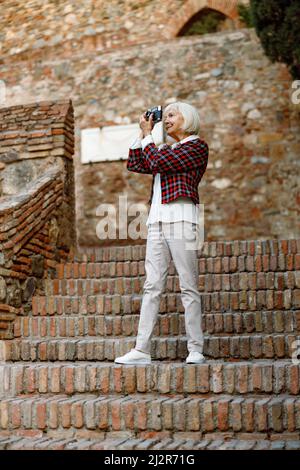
{"type": "Point", "coordinates": [64, 28]}
{"type": "Point", "coordinates": [37, 218]}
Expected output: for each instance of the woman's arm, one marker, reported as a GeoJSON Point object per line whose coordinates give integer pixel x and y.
{"type": "Point", "coordinates": [137, 163]}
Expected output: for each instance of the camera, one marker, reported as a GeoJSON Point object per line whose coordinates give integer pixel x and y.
{"type": "Point", "coordinates": [156, 114]}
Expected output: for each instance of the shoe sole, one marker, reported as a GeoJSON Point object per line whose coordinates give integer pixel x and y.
{"type": "Point", "coordinates": [132, 362]}
{"type": "Point", "coordinates": [195, 362]}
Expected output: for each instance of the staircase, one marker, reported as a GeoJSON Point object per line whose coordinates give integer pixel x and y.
{"type": "Point", "coordinates": [60, 388]}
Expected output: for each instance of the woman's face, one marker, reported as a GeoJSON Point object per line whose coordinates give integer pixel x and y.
{"type": "Point", "coordinates": [173, 121]}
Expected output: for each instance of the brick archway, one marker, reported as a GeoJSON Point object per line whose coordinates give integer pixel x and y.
{"type": "Point", "coordinates": [191, 7]}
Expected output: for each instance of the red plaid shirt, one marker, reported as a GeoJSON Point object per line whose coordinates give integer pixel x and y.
{"type": "Point", "coordinates": [181, 168]}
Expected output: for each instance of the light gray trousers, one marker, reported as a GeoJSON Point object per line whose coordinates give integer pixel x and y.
{"type": "Point", "coordinates": [166, 240]}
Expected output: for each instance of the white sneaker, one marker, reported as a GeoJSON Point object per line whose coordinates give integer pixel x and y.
{"type": "Point", "coordinates": [134, 357]}
{"type": "Point", "coordinates": [195, 358]}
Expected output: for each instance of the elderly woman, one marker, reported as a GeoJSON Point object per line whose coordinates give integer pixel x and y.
{"type": "Point", "coordinates": [177, 172]}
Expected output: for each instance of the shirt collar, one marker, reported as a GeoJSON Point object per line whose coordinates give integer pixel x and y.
{"type": "Point", "coordinates": [190, 137]}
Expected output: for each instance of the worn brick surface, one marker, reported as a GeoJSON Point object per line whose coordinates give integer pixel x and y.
{"type": "Point", "coordinates": [236, 378]}
{"type": "Point", "coordinates": [92, 348]}
{"type": "Point", "coordinates": [38, 202]}
{"type": "Point", "coordinates": [107, 324]}
{"type": "Point", "coordinates": [46, 443]}
{"type": "Point", "coordinates": [177, 414]}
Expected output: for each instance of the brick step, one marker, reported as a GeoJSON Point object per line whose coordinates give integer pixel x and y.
{"type": "Point", "coordinates": [209, 250]}
{"type": "Point", "coordinates": [100, 349]}
{"type": "Point", "coordinates": [15, 442]}
{"type": "Point", "coordinates": [167, 324]}
{"type": "Point", "coordinates": [219, 265]}
{"type": "Point", "coordinates": [239, 302]}
{"type": "Point", "coordinates": [260, 377]}
{"type": "Point", "coordinates": [136, 414]}
{"type": "Point", "coordinates": [216, 299]}
{"type": "Point", "coordinates": [236, 282]}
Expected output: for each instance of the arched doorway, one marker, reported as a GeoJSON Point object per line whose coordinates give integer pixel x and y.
{"type": "Point", "coordinates": [205, 21]}
{"type": "Point", "coordinates": [191, 8]}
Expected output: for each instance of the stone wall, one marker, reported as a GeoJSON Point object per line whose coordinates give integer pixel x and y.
{"type": "Point", "coordinates": [250, 189]}
{"type": "Point", "coordinates": [60, 28]}
{"type": "Point", "coordinates": [37, 217]}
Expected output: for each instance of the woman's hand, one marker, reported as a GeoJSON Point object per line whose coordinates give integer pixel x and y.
{"type": "Point", "coordinates": [146, 126]}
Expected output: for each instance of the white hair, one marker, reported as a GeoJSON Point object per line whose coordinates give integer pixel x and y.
{"type": "Point", "coordinates": [191, 118]}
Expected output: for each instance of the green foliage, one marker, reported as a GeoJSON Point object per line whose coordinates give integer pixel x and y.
{"type": "Point", "coordinates": [208, 22]}
{"type": "Point", "coordinates": [245, 14]}
{"type": "Point", "coordinates": [277, 24]}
